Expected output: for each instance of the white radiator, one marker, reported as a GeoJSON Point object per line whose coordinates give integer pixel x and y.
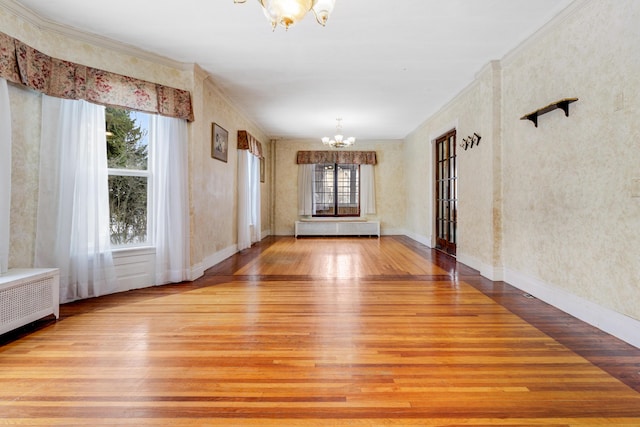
{"type": "Point", "coordinates": [337, 228]}
{"type": "Point", "coordinates": [27, 295]}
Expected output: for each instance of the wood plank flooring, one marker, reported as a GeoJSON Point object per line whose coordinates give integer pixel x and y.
{"type": "Point", "coordinates": [320, 332]}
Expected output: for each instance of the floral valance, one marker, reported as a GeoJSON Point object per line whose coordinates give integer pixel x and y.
{"type": "Point", "coordinates": [25, 65]}
{"type": "Point", "coordinates": [343, 157]}
{"type": "Point", "coordinates": [247, 142]}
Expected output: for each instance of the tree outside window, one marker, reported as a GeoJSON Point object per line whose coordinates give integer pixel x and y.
{"type": "Point", "coordinates": [128, 159]}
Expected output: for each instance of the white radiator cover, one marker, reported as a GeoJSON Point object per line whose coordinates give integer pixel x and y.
{"type": "Point", "coordinates": [27, 295]}
{"type": "Point", "coordinates": [337, 228]}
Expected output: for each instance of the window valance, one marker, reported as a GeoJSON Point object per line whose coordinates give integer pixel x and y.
{"type": "Point", "coordinates": [246, 141]}
{"type": "Point", "coordinates": [27, 66]}
{"type": "Point", "coordinates": [344, 157]}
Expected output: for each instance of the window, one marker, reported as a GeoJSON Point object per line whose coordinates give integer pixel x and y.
{"type": "Point", "coordinates": [336, 190]}
{"type": "Point", "coordinates": [129, 177]}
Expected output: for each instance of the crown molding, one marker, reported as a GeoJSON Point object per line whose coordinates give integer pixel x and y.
{"type": "Point", "coordinates": [43, 24]}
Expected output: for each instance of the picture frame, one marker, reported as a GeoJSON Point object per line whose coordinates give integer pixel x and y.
{"type": "Point", "coordinates": [219, 142]}
{"type": "Point", "coordinates": [262, 171]}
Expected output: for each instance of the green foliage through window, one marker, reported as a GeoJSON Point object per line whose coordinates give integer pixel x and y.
{"type": "Point", "coordinates": [127, 157]}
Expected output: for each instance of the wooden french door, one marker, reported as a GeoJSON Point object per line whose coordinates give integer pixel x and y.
{"type": "Point", "coordinates": [446, 193]}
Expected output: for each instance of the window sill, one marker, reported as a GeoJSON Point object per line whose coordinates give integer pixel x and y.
{"type": "Point", "coordinates": [334, 219]}
{"type": "Point", "coordinates": [133, 250]}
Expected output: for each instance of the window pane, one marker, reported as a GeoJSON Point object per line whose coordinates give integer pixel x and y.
{"type": "Point", "coordinates": [337, 190]}
{"type": "Point", "coordinates": [324, 189]}
{"type": "Point", "coordinates": [348, 190]}
{"type": "Point", "coordinates": [128, 209]}
{"type": "Point", "coordinates": [127, 142]}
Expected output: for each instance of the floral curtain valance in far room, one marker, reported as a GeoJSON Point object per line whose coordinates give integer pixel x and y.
{"type": "Point", "coordinates": [343, 157]}
{"type": "Point", "coordinates": [22, 64]}
{"type": "Point", "coordinates": [246, 141]}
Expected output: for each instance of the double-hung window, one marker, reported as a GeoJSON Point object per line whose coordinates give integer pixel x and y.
{"type": "Point", "coordinates": [336, 189]}
{"type": "Point", "coordinates": [129, 176]}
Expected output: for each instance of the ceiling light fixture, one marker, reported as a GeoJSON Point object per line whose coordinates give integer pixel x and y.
{"type": "Point", "coordinates": [289, 12]}
{"type": "Point", "coordinates": [338, 140]}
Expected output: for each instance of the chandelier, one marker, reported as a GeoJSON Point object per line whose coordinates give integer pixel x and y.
{"type": "Point", "coordinates": [289, 12]}
{"type": "Point", "coordinates": [338, 140]}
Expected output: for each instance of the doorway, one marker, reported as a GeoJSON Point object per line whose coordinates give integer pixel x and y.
{"type": "Point", "coordinates": [446, 193]}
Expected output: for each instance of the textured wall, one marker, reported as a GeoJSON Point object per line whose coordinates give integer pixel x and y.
{"type": "Point", "coordinates": [389, 176]}
{"type": "Point", "coordinates": [212, 183]}
{"type": "Point", "coordinates": [214, 197]}
{"type": "Point", "coordinates": [471, 111]}
{"type": "Point", "coordinates": [558, 204]}
{"type": "Point", "coordinates": [25, 156]}
{"type": "Point", "coordinates": [25, 112]}
{"type": "Point", "coordinates": [570, 217]}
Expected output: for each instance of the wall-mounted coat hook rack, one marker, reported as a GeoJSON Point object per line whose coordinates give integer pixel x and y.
{"type": "Point", "coordinates": [470, 141]}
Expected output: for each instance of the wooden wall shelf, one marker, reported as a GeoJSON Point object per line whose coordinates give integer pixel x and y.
{"type": "Point", "coordinates": [563, 104]}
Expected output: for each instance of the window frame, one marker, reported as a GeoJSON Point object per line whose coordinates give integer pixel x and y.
{"type": "Point", "coordinates": [335, 191]}
{"type": "Point", "coordinates": [141, 173]}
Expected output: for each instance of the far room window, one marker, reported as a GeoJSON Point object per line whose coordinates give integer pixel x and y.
{"type": "Point", "coordinates": [129, 177]}
{"type": "Point", "coordinates": [336, 190]}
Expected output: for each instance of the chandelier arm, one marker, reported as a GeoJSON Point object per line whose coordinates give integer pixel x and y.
{"type": "Point", "coordinates": [288, 12]}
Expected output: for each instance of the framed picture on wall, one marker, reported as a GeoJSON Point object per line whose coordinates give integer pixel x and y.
{"type": "Point", "coordinates": [261, 169]}
{"type": "Point", "coordinates": [219, 142]}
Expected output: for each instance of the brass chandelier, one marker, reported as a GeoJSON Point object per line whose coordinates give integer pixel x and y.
{"type": "Point", "coordinates": [288, 12]}
{"type": "Point", "coordinates": [338, 141]}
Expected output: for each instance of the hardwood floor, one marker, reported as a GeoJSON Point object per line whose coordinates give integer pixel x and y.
{"type": "Point", "coordinates": [320, 332]}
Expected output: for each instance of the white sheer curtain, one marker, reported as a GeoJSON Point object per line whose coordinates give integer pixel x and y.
{"type": "Point", "coordinates": [305, 189]}
{"type": "Point", "coordinates": [256, 218]}
{"type": "Point", "coordinates": [367, 190]}
{"type": "Point", "coordinates": [249, 222]}
{"type": "Point", "coordinates": [5, 174]}
{"type": "Point", "coordinates": [72, 230]}
{"type": "Point", "coordinates": [169, 221]}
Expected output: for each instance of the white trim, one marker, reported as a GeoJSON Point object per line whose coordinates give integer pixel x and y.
{"type": "Point", "coordinates": [609, 321]}
{"type": "Point", "coordinates": [392, 231]}
{"type": "Point", "coordinates": [219, 256]}
{"type": "Point", "coordinates": [493, 273]}
{"type": "Point", "coordinates": [134, 267]}
{"type": "Point", "coordinates": [453, 126]}
{"type": "Point", "coordinates": [197, 271]}
{"type": "Point", "coordinates": [265, 233]}
{"type": "Point", "coordinates": [425, 240]}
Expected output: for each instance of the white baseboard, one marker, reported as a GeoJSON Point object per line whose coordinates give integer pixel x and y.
{"type": "Point", "coordinates": [425, 240]}
{"type": "Point", "coordinates": [198, 270]}
{"type": "Point", "coordinates": [491, 272]}
{"type": "Point", "coordinates": [607, 320]}
{"type": "Point", "coordinates": [384, 231]}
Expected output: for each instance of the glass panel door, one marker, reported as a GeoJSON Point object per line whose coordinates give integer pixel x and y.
{"type": "Point", "coordinates": [446, 193]}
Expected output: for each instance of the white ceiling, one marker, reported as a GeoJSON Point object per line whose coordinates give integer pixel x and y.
{"type": "Point", "coordinates": [383, 66]}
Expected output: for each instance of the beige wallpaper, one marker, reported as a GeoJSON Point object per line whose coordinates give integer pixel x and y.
{"type": "Point", "coordinates": [212, 183]}
{"type": "Point", "coordinates": [25, 112]}
{"type": "Point", "coordinates": [470, 113]}
{"type": "Point", "coordinates": [560, 203]}
{"type": "Point", "coordinates": [25, 157]}
{"type": "Point", "coordinates": [389, 182]}
{"type": "Point", "coordinates": [570, 215]}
